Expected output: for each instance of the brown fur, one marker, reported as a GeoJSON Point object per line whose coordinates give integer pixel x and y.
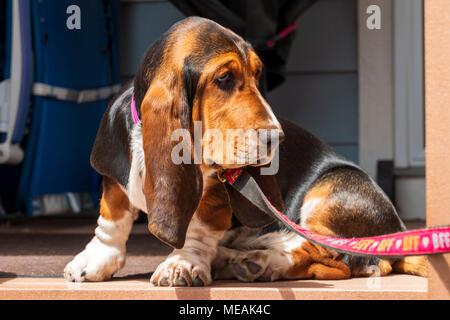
{"type": "Point", "coordinates": [114, 202]}
{"type": "Point", "coordinates": [318, 219]}
{"type": "Point", "coordinates": [214, 208]}
{"type": "Point", "coordinates": [416, 265]}
{"type": "Point", "coordinates": [172, 191]}
{"type": "Point", "coordinates": [311, 261]}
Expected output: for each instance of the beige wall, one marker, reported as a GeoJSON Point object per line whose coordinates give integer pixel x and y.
{"type": "Point", "coordinates": [437, 105]}
{"type": "Point", "coordinates": [375, 87]}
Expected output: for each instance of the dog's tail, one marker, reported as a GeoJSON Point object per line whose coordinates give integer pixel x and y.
{"type": "Point", "coordinates": [415, 265]}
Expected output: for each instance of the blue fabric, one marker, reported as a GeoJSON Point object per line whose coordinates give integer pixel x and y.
{"type": "Point", "coordinates": [62, 133]}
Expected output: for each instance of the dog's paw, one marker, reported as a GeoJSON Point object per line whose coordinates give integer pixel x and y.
{"type": "Point", "coordinates": [97, 262]}
{"type": "Point", "coordinates": [250, 265]}
{"type": "Point", "coordinates": [247, 266]}
{"type": "Point", "coordinates": [182, 269]}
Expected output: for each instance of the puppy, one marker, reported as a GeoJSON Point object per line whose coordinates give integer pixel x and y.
{"type": "Point", "coordinates": [201, 77]}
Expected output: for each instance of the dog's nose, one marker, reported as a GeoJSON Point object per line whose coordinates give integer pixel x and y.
{"type": "Point", "coordinates": [269, 136]}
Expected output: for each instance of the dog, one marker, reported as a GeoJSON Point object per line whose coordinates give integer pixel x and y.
{"type": "Point", "coordinates": [201, 72]}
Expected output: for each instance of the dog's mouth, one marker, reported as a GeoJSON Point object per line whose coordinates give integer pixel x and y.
{"type": "Point", "coordinates": [243, 161]}
{"type": "Point", "coordinates": [259, 163]}
{"type": "Point", "coordinates": [247, 151]}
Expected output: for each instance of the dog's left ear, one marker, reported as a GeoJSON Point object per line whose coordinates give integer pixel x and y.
{"type": "Point", "coordinates": [247, 213]}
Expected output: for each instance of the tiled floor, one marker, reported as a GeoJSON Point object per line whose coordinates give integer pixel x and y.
{"type": "Point", "coordinates": [33, 254]}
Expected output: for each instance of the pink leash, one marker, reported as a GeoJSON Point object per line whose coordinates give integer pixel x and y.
{"type": "Point", "coordinates": [134, 112]}
{"type": "Point", "coordinates": [282, 34]}
{"type": "Point", "coordinates": [433, 240]}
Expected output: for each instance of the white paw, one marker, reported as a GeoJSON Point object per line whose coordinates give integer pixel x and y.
{"type": "Point", "coordinates": [97, 262]}
{"type": "Point", "coordinates": [182, 269]}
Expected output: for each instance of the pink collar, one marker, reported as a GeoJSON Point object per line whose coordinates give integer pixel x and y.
{"type": "Point", "coordinates": [134, 112]}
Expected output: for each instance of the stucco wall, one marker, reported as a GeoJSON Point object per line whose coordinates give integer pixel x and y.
{"type": "Point", "coordinates": [437, 117]}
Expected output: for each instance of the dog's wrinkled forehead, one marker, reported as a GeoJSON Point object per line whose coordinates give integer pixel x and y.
{"type": "Point", "coordinates": [204, 39]}
{"type": "Point", "coordinates": [182, 52]}
{"type": "Point", "coordinates": [194, 42]}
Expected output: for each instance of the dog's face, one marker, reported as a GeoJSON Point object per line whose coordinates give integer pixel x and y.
{"type": "Point", "coordinates": [198, 74]}
{"type": "Point", "coordinates": [236, 120]}
{"type": "Point", "coordinates": [211, 75]}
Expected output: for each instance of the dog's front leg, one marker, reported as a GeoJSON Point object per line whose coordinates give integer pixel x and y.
{"type": "Point", "coordinates": [191, 265]}
{"type": "Point", "coordinates": [105, 253]}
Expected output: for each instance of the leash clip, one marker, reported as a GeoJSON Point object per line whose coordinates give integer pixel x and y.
{"type": "Point", "coordinates": [220, 175]}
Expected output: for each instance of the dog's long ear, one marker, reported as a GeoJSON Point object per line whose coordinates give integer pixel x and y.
{"type": "Point", "coordinates": [248, 214]}
{"type": "Point", "coordinates": [172, 191]}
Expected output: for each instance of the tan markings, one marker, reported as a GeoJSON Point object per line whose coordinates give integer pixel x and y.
{"type": "Point", "coordinates": [181, 43]}
{"type": "Point", "coordinates": [384, 268]}
{"type": "Point", "coordinates": [114, 203]}
{"type": "Point", "coordinates": [214, 208]}
{"type": "Point", "coordinates": [311, 261]}
{"type": "Point", "coordinates": [417, 265]}
{"type": "Point", "coordinates": [317, 219]}
{"type": "Point", "coordinates": [255, 64]}
{"type": "Point", "coordinates": [300, 269]}
{"type": "Point", "coordinates": [156, 97]}
{"type": "Point", "coordinates": [319, 191]}
{"type": "Point", "coordinates": [155, 130]}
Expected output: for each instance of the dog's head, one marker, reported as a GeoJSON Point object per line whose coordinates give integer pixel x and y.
{"type": "Point", "coordinates": [199, 81]}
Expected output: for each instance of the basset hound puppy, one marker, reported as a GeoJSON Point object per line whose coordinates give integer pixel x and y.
{"type": "Point", "coordinates": [200, 72]}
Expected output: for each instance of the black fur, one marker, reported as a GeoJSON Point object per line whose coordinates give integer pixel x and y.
{"type": "Point", "coordinates": [191, 74]}
{"type": "Point", "coordinates": [147, 69]}
{"type": "Point", "coordinates": [303, 158]}
{"type": "Point", "coordinates": [110, 154]}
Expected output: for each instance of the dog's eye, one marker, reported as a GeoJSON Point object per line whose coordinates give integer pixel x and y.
{"type": "Point", "coordinates": [225, 81]}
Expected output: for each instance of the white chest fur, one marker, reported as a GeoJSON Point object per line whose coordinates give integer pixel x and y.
{"type": "Point", "coordinates": [136, 178]}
